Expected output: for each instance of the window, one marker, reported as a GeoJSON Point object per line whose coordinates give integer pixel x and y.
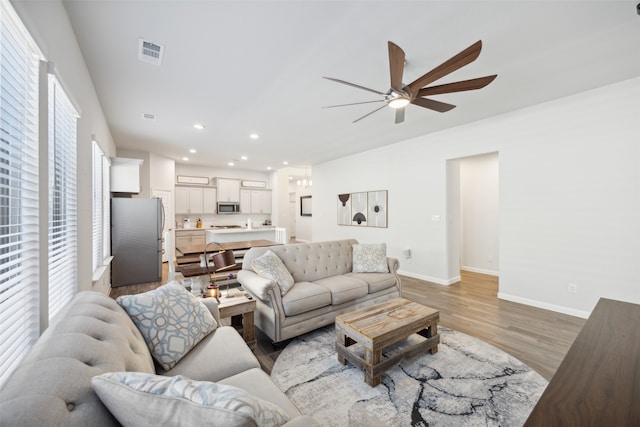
{"type": "Point", "coordinates": [19, 239]}
{"type": "Point", "coordinates": [101, 213]}
{"type": "Point", "coordinates": [63, 207]}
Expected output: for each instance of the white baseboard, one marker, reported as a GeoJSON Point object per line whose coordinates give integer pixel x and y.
{"type": "Point", "coordinates": [480, 270]}
{"type": "Point", "coordinates": [544, 305]}
{"type": "Point", "coordinates": [446, 282]}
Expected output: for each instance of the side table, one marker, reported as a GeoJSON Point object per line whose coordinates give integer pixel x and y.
{"type": "Point", "coordinates": [240, 309]}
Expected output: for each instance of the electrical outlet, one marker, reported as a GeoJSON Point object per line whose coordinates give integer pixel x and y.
{"type": "Point", "coordinates": [572, 288]}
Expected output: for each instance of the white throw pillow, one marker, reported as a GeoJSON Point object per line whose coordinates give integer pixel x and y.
{"type": "Point", "coordinates": [138, 399]}
{"type": "Point", "coordinates": [370, 258]}
{"type": "Point", "coordinates": [270, 266]}
{"type": "Point", "coordinates": [171, 320]}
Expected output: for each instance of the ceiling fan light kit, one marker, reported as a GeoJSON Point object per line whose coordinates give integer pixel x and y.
{"type": "Point", "coordinates": [401, 95]}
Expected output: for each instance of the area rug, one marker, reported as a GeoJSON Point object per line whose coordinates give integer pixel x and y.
{"type": "Point", "coordinates": [466, 383]}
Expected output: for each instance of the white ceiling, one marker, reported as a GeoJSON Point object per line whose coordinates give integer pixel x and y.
{"type": "Point", "coordinates": [240, 67]}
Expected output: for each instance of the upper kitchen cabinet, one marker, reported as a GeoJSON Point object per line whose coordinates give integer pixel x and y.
{"type": "Point", "coordinates": [209, 199]}
{"type": "Point", "coordinates": [255, 201]}
{"type": "Point", "coordinates": [125, 175]}
{"type": "Point", "coordinates": [195, 200]}
{"type": "Point", "coordinates": [228, 189]}
{"type": "Point", "coordinates": [189, 200]}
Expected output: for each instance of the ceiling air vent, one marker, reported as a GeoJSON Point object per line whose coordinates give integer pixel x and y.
{"type": "Point", "coordinates": [148, 116]}
{"type": "Point", "coordinates": [150, 52]}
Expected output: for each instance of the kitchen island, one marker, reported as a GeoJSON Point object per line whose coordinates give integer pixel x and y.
{"type": "Point", "coordinates": [224, 235]}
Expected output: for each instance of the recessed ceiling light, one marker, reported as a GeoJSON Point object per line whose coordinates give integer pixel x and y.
{"type": "Point", "coordinates": [285, 163]}
{"type": "Point", "coordinates": [244, 157]}
{"type": "Point", "coordinates": [192, 151]}
{"type": "Point", "coordinates": [186, 159]}
{"type": "Point", "coordinates": [231, 164]}
{"type": "Point", "coordinates": [199, 126]}
{"type": "Point", "coordinates": [254, 136]}
{"type": "Point", "coordinates": [268, 168]}
{"type": "Point", "coordinates": [290, 178]}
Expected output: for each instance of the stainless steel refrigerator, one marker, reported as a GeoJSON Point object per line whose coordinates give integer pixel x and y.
{"type": "Point", "coordinates": [136, 241]}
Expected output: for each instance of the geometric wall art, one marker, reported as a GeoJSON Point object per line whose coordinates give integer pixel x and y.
{"type": "Point", "coordinates": [363, 209]}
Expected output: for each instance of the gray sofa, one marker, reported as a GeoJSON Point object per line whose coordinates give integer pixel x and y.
{"type": "Point", "coordinates": [324, 287]}
{"type": "Point", "coordinates": [52, 385]}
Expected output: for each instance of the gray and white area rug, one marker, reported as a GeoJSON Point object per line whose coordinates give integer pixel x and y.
{"type": "Point", "coordinates": [466, 383]}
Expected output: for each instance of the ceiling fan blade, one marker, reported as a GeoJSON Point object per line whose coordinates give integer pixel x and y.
{"type": "Point", "coordinates": [400, 115]}
{"type": "Point", "coordinates": [368, 114]}
{"type": "Point", "coordinates": [354, 103]}
{"type": "Point", "coordinates": [354, 85]}
{"type": "Point", "coordinates": [461, 86]}
{"type": "Point", "coordinates": [441, 107]}
{"type": "Point", "coordinates": [465, 57]}
{"type": "Point", "coordinates": [396, 65]}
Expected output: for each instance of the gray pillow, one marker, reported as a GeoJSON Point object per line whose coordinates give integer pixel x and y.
{"type": "Point", "coordinates": [270, 266]}
{"type": "Point", "coordinates": [370, 258]}
{"type": "Point", "coordinates": [171, 320]}
{"type": "Point", "coordinates": [137, 399]}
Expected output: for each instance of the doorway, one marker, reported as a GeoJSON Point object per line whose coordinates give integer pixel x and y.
{"type": "Point", "coordinates": [473, 207]}
{"type": "Point", "coordinates": [292, 215]}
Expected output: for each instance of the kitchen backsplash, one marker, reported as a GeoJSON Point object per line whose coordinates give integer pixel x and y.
{"type": "Point", "coordinates": [209, 220]}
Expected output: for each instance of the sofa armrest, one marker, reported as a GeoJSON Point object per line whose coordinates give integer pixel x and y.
{"type": "Point", "coordinates": [258, 286]}
{"type": "Point", "coordinates": [393, 264]}
{"type": "Point", "coordinates": [212, 305]}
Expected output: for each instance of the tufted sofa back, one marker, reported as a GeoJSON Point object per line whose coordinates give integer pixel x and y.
{"type": "Point", "coordinates": [310, 261]}
{"type": "Point", "coordinates": [52, 385]}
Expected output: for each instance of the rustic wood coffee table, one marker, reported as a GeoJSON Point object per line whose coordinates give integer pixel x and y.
{"type": "Point", "coordinates": [380, 326]}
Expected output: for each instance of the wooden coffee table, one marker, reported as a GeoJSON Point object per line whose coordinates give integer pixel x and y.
{"type": "Point", "coordinates": [381, 326]}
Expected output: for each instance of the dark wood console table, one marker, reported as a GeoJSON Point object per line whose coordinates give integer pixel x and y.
{"type": "Point", "coordinates": [598, 381]}
{"type": "Point", "coordinates": [188, 256]}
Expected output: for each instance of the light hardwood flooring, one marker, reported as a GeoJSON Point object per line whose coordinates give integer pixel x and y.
{"type": "Point", "coordinates": [539, 338]}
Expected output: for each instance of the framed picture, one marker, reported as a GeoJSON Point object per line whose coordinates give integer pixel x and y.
{"type": "Point", "coordinates": [363, 209]}
{"type": "Point", "coordinates": [377, 208]}
{"type": "Point", "coordinates": [305, 205]}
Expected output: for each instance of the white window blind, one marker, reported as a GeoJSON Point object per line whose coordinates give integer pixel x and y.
{"type": "Point", "coordinates": [63, 207]}
{"type": "Point", "coordinates": [19, 297]}
{"type": "Point", "coordinates": [101, 208]}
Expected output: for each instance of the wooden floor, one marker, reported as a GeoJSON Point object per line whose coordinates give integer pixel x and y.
{"type": "Point", "coordinates": [539, 338]}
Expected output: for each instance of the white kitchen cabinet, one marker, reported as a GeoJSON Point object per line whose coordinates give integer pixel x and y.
{"type": "Point", "coordinates": [228, 189]}
{"type": "Point", "coordinates": [255, 201]}
{"type": "Point", "coordinates": [209, 199]}
{"type": "Point", "coordinates": [186, 238]}
{"type": "Point", "coordinates": [189, 200]}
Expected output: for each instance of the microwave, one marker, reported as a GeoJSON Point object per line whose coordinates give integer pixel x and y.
{"type": "Point", "coordinates": [228, 208]}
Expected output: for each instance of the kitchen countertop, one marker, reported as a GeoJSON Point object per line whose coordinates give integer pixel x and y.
{"type": "Point", "coordinates": [239, 230]}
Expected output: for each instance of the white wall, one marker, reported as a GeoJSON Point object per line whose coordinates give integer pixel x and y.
{"type": "Point", "coordinates": [569, 198]}
{"type": "Point", "coordinates": [49, 25]}
{"type": "Point", "coordinates": [479, 219]}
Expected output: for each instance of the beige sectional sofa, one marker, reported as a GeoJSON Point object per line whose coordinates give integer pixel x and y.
{"type": "Point", "coordinates": [53, 385]}
{"type": "Point", "coordinates": [325, 286]}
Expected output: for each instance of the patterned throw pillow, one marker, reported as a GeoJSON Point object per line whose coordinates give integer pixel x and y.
{"type": "Point", "coordinates": [137, 399]}
{"type": "Point", "coordinates": [370, 258]}
{"type": "Point", "coordinates": [270, 266]}
{"type": "Point", "coordinates": [170, 319]}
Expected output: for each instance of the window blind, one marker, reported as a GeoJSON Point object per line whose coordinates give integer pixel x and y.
{"type": "Point", "coordinates": [101, 208]}
{"type": "Point", "coordinates": [63, 207]}
{"type": "Point", "coordinates": [19, 297]}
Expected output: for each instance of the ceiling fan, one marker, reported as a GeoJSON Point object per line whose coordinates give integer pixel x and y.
{"type": "Point", "coordinates": [400, 95]}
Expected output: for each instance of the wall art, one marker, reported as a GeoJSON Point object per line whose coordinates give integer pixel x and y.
{"type": "Point", "coordinates": [363, 209]}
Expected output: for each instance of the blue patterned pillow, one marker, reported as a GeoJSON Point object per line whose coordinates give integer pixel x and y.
{"type": "Point", "coordinates": [370, 258]}
{"type": "Point", "coordinates": [270, 266]}
{"type": "Point", "coordinates": [170, 319]}
{"type": "Point", "coordinates": [137, 399]}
